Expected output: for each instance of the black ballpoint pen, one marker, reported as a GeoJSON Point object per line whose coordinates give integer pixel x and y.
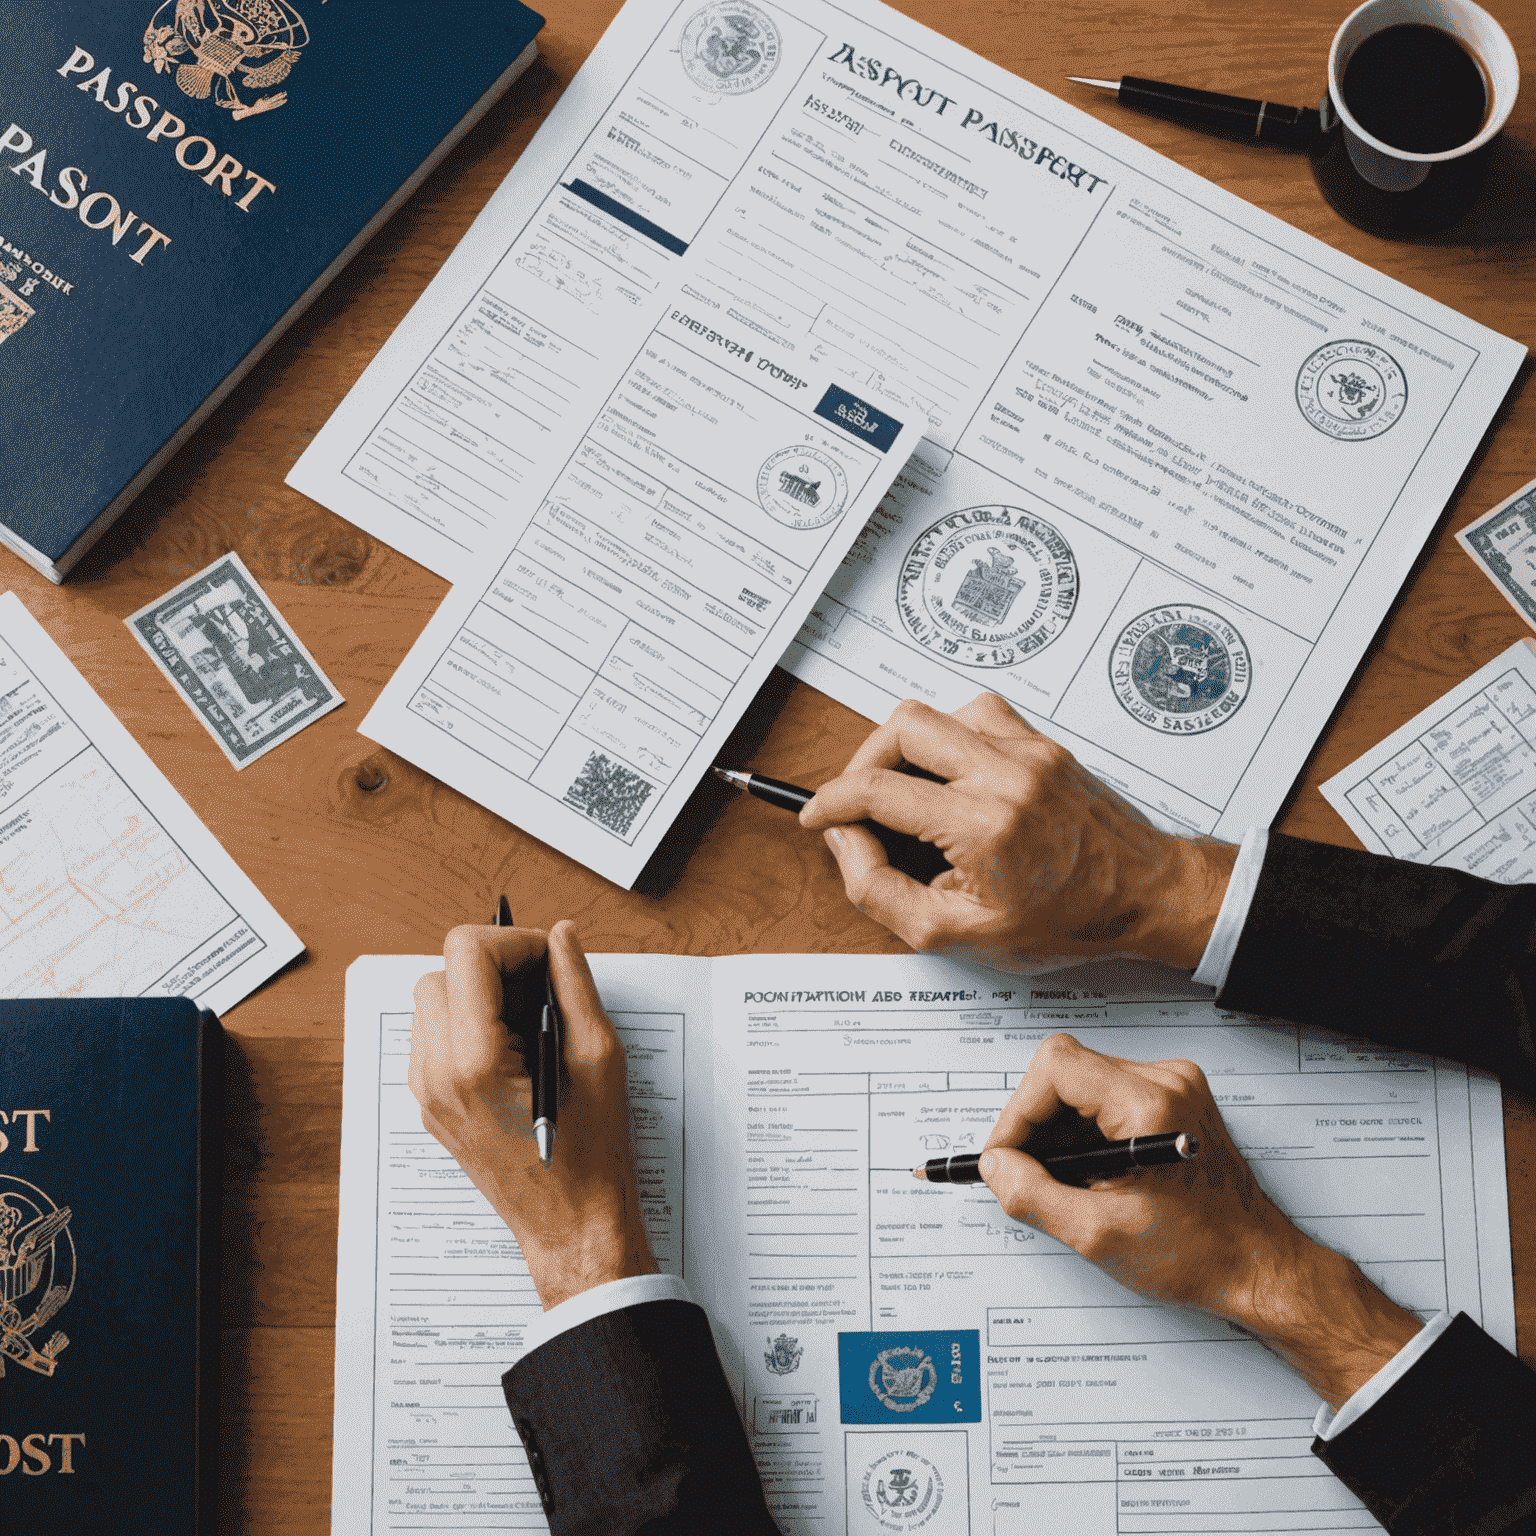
{"type": "Point", "coordinates": [546, 1077]}
{"type": "Point", "coordinates": [909, 854]}
{"type": "Point", "coordinates": [1233, 116]}
{"type": "Point", "coordinates": [1106, 1162]}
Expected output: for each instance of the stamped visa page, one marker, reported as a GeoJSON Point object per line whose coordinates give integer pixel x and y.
{"type": "Point", "coordinates": [1457, 784]}
{"type": "Point", "coordinates": [109, 885]}
{"type": "Point", "coordinates": [911, 1358]}
{"type": "Point", "coordinates": [432, 1294]}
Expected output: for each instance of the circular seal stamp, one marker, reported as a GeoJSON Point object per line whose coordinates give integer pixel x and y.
{"type": "Point", "coordinates": [1351, 390]}
{"type": "Point", "coordinates": [802, 487]}
{"type": "Point", "coordinates": [903, 1378]}
{"type": "Point", "coordinates": [1180, 669]}
{"type": "Point", "coordinates": [37, 1274]}
{"type": "Point", "coordinates": [730, 47]}
{"type": "Point", "coordinates": [903, 1491]}
{"type": "Point", "coordinates": [987, 587]}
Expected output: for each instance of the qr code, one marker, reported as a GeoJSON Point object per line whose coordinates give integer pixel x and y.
{"type": "Point", "coordinates": [609, 793]}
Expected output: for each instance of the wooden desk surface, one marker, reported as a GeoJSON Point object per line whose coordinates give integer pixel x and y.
{"type": "Point", "coordinates": [388, 869]}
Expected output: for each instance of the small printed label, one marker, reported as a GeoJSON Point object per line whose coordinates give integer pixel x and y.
{"type": "Point", "coordinates": [858, 417]}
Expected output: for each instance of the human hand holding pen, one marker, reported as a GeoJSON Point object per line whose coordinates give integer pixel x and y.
{"type": "Point", "coordinates": [1050, 864]}
{"type": "Point", "coordinates": [577, 1222]}
{"type": "Point", "coordinates": [1199, 1234]}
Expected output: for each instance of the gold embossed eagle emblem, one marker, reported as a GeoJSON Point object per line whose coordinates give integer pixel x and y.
{"type": "Point", "coordinates": [37, 1274]}
{"type": "Point", "coordinates": [208, 43]}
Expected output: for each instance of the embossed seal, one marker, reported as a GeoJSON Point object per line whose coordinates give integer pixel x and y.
{"type": "Point", "coordinates": [988, 587]}
{"type": "Point", "coordinates": [37, 1275]}
{"type": "Point", "coordinates": [1180, 669]}
{"type": "Point", "coordinates": [902, 1490]}
{"type": "Point", "coordinates": [802, 487]}
{"type": "Point", "coordinates": [1351, 390]}
{"type": "Point", "coordinates": [903, 1378]}
{"type": "Point", "coordinates": [730, 47]}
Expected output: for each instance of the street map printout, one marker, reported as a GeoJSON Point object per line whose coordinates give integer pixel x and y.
{"type": "Point", "coordinates": [1157, 463]}
{"type": "Point", "coordinates": [907, 1357]}
{"type": "Point", "coordinates": [109, 885]}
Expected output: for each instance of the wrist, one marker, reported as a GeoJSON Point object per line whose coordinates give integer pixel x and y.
{"type": "Point", "coordinates": [589, 1257]}
{"type": "Point", "coordinates": [1185, 899]}
{"type": "Point", "coordinates": [1318, 1312]}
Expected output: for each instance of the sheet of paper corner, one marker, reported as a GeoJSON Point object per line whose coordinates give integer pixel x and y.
{"type": "Point", "coordinates": [1521, 657]}
{"type": "Point", "coordinates": [136, 628]}
{"type": "Point", "coordinates": [128, 761]}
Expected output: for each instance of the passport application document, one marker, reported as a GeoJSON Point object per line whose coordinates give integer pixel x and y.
{"type": "Point", "coordinates": [1170, 459]}
{"type": "Point", "coordinates": [903, 1352]}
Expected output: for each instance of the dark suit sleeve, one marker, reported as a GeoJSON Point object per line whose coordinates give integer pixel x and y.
{"type": "Point", "coordinates": [1450, 1450]}
{"type": "Point", "coordinates": [630, 1428]}
{"type": "Point", "coordinates": [1420, 958]}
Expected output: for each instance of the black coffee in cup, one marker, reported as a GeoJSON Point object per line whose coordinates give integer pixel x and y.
{"type": "Point", "coordinates": [1416, 88]}
{"type": "Point", "coordinates": [1418, 91]}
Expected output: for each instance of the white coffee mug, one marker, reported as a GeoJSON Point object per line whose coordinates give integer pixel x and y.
{"type": "Point", "coordinates": [1378, 185]}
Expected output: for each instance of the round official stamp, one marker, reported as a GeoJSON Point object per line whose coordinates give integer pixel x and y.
{"type": "Point", "coordinates": [1180, 669]}
{"type": "Point", "coordinates": [988, 587]}
{"type": "Point", "coordinates": [1351, 390]}
{"type": "Point", "coordinates": [730, 48]}
{"type": "Point", "coordinates": [802, 487]}
{"type": "Point", "coordinates": [902, 1491]}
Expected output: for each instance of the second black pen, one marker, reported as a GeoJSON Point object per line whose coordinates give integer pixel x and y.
{"type": "Point", "coordinates": [1106, 1162]}
{"type": "Point", "coordinates": [909, 854]}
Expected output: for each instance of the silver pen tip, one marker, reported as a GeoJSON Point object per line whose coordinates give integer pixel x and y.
{"type": "Point", "coordinates": [1187, 1145]}
{"type": "Point", "coordinates": [1103, 85]}
{"type": "Point", "coordinates": [733, 776]}
{"type": "Point", "coordinates": [544, 1140]}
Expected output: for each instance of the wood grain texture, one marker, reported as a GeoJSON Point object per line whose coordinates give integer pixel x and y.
{"type": "Point", "coordinates": [363, 853]}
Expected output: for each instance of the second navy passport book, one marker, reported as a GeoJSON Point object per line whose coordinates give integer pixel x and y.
{"type": "Point", "coordinates": [109, 1267]}
{"type": "Point", "coordinates": [177, 181]}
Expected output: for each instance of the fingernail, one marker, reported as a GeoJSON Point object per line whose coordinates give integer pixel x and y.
{"type": "Point", "coordinates": [834, 837]}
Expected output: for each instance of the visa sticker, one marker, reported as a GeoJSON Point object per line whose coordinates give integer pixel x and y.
{"type": "Point", "coordinates": [910, 1378]}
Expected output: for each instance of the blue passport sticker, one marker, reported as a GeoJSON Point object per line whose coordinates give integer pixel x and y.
{"type": "Point", "coordinates": [910, 1378]}
{"type": "Point", "coordinates": [858, 417]}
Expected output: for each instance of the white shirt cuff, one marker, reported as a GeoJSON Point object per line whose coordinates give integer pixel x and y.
{"type": "Point", "coordinates": [632, 1291]}
{"type": "Point", "coordinates": [1217, 959]}
{"type": "Point", "coordinates": [1328, 1424]}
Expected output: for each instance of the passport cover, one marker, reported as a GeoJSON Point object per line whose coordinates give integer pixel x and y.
{"type": "Point", "coordinates": [109, 1267]}
{"type": "Point", "coordinates": [178, 179]}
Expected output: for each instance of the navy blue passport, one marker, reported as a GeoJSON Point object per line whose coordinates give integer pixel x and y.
{"type": "Point", "coordinates": [178, 180]}
{"type": "Point", "coordinates": [109, 1267]}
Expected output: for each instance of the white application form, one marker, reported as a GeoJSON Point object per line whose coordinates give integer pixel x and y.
{"type": "Point", "coordinates": [432, 1294]}
{"type": "Point", "coordinates": [1095, 1411]}
{"type": "Point", "coordinates": [109, 885]}
{"type": "Point", "coordinates": [1456, 785]}
{"type": "Point", "coordinates": [897, 1345]}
